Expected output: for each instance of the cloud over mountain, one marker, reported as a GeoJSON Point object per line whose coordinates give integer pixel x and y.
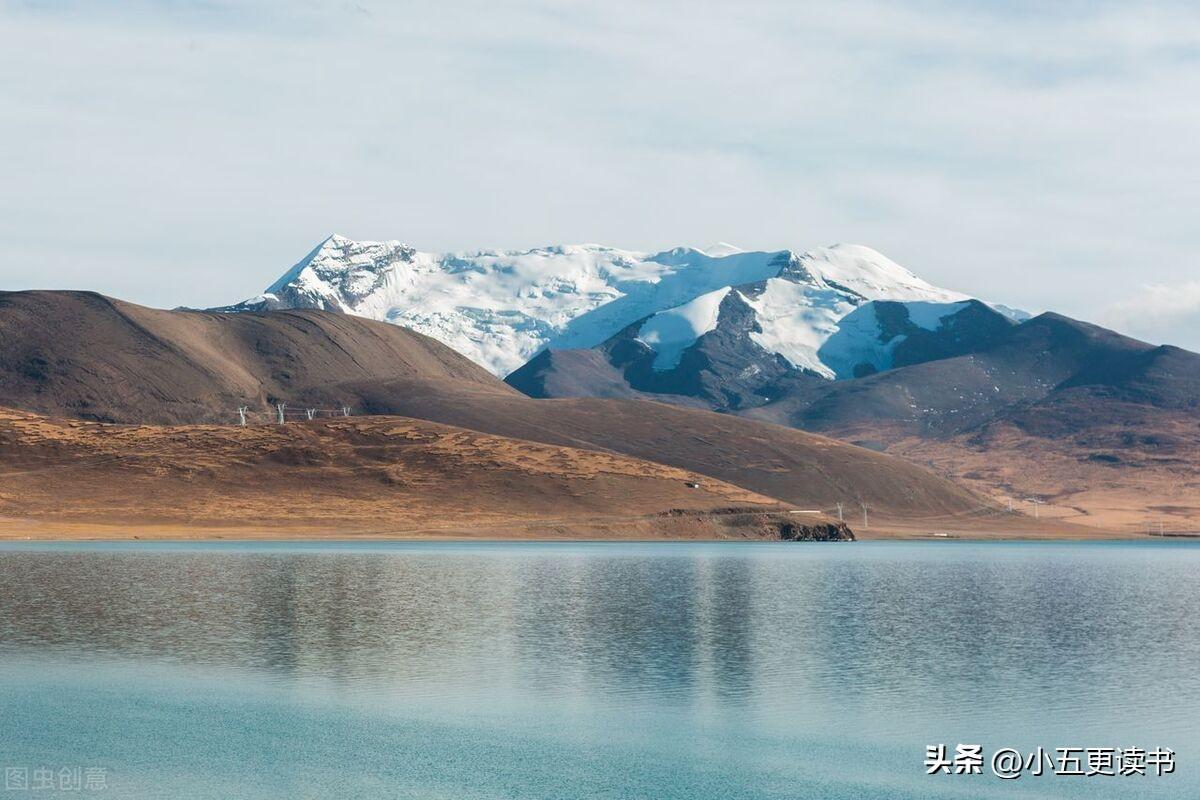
{"type": "Point", "coordinates": [1029, 153]}
{"type": "Point", "coordinates": [1163, 314]}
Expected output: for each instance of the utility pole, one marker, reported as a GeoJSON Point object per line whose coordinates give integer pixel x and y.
{"type": "Point", "coordinates": [864, 508]}
{"type": "Point", "coordinates": [839, 505]}
{"type": "Point", "coordinates": [280, 407]}
{"type": "Point", "coordinates": [1010, 505]}
{"type": "Point", "coordinates": [242, 414]}
{"type": "Point", "coordinates": [310, 412]}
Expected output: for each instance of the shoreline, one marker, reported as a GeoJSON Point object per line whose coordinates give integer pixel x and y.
{"type": "Point", "coordinates": [743, 524]}
{"type": "Point", "coordinates": [12, 530]}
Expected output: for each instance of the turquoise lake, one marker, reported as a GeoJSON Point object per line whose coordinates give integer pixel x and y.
{"type": "Point", "coordinates": [698, 671]}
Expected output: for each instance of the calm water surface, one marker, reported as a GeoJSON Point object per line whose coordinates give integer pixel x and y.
{"type": "Point", "coordinates": [559, 671]}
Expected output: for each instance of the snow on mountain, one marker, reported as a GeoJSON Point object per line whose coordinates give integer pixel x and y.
{"type": "Point", "coordinates": [795, 319]}
{"type": "Point", "coordinates": [861, 271]}
{"type": "Point", "coordinates": [864, 339]}
{"type": "Point", "coordinates": [930, 315]}
{"type": "Point", "coordinates": [722, 249]}
{"type": "Point", "coordinates": [672, 331]}
{"type": "Point", "coordinates": [803, 306]}
{"type": "Point", "coordinates": [501, 307]}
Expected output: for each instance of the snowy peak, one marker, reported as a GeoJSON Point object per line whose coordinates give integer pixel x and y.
{"type": "Point", "coordinates": [869, 274]}
{"type": "Point", "coordinates": [338, 274]}
{"type": "Point", "coordinates": [722, 249]}
{"type": "Point", "coordinates": [501, 307]}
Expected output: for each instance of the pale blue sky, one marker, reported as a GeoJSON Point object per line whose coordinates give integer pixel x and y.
{"type": "Point", "coordinates": [187, 153]}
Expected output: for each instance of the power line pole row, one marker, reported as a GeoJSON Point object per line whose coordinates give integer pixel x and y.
{"type": "Point", "coordinates": [841, 512]}
{"type": "Point", "coordinates": [281, 413]}
{"type": "Point", "coordinates": [1037, 504]}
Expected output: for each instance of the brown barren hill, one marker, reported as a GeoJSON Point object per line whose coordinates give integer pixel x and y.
{"type": "Point", "coordinates": [806, 469]}
{"type": "Point", "coordinates": [81, 355]}
{"type": "Point", "coordinates": [84, 355]}
{"type": "Point", "coordinates": [386, 476]}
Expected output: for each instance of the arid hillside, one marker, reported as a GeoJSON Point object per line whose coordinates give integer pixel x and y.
{"type": "Point", "coordinates": [358, 476]}
{"type": "Point", "coordinates": [80, 354]}
{"type": "Point", "coordinates": [808, 470]}
{"type": "Point", "coordinates": [69, 354]}
{"type": "Point", "coordinates": [1099, 429]}
{"type": "Point", "coordinates": [1143, 478]}
{"type": "Point", "coordinates": [1096, 427]}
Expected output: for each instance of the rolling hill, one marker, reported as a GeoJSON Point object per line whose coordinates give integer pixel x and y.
{"type": "Point", "coordinates": [84, 356]}
{"type": "Point", "coordinates": [80, 354]}
{"type": "Point", "coordinates": [382, 476]}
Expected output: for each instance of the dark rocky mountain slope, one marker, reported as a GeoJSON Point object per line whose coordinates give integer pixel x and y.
{"type": "Point", "coordinates": [1103, 425]}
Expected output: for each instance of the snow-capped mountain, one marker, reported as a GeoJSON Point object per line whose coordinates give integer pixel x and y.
{"type": "Point", "coordinates": [500, 308]}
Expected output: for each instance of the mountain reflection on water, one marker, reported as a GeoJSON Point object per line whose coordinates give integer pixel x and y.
{"type": "Point", "coordinates": [720, 660]}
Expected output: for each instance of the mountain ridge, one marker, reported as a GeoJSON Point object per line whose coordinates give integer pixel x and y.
{"type": "Point", "coordinates": [142, 366]}
{"type": "Point", "coordinates": [978, 398]}
{"type": "Point", "coordinates": [73, 354]}
{"type": "Point", "coordinates": [501, 308]}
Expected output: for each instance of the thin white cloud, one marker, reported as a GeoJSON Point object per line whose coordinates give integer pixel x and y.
{"type": "Point", "coordinates": [188, 152]}
{"type": "Point", "coordinates": [1160, 314]}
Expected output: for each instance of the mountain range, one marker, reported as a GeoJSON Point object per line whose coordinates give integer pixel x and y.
{"type": "Point", "coordinates": [160, 390]}
{"type": "Point", "coordinates": [583, 380]}
{"type": "Point", "coordinates": [839, 340]}
{"type": "Point", "coordinates": [502, 307]}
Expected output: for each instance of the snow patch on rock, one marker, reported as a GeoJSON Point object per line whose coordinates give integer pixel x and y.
{"type": "Point", "coordinates": [930, 315]}
{"type": "Point", "coordinates": [672, 331]}
{"type": "Point", "coordinates": [796, 318]}
{"type": "Point", "coordinates": [858, 342]}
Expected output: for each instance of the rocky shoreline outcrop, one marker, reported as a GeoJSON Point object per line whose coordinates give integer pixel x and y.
{"type": "Point", "coordinates": [820, 532]}
{"type": "Point", "coordinates": [744, 523]}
